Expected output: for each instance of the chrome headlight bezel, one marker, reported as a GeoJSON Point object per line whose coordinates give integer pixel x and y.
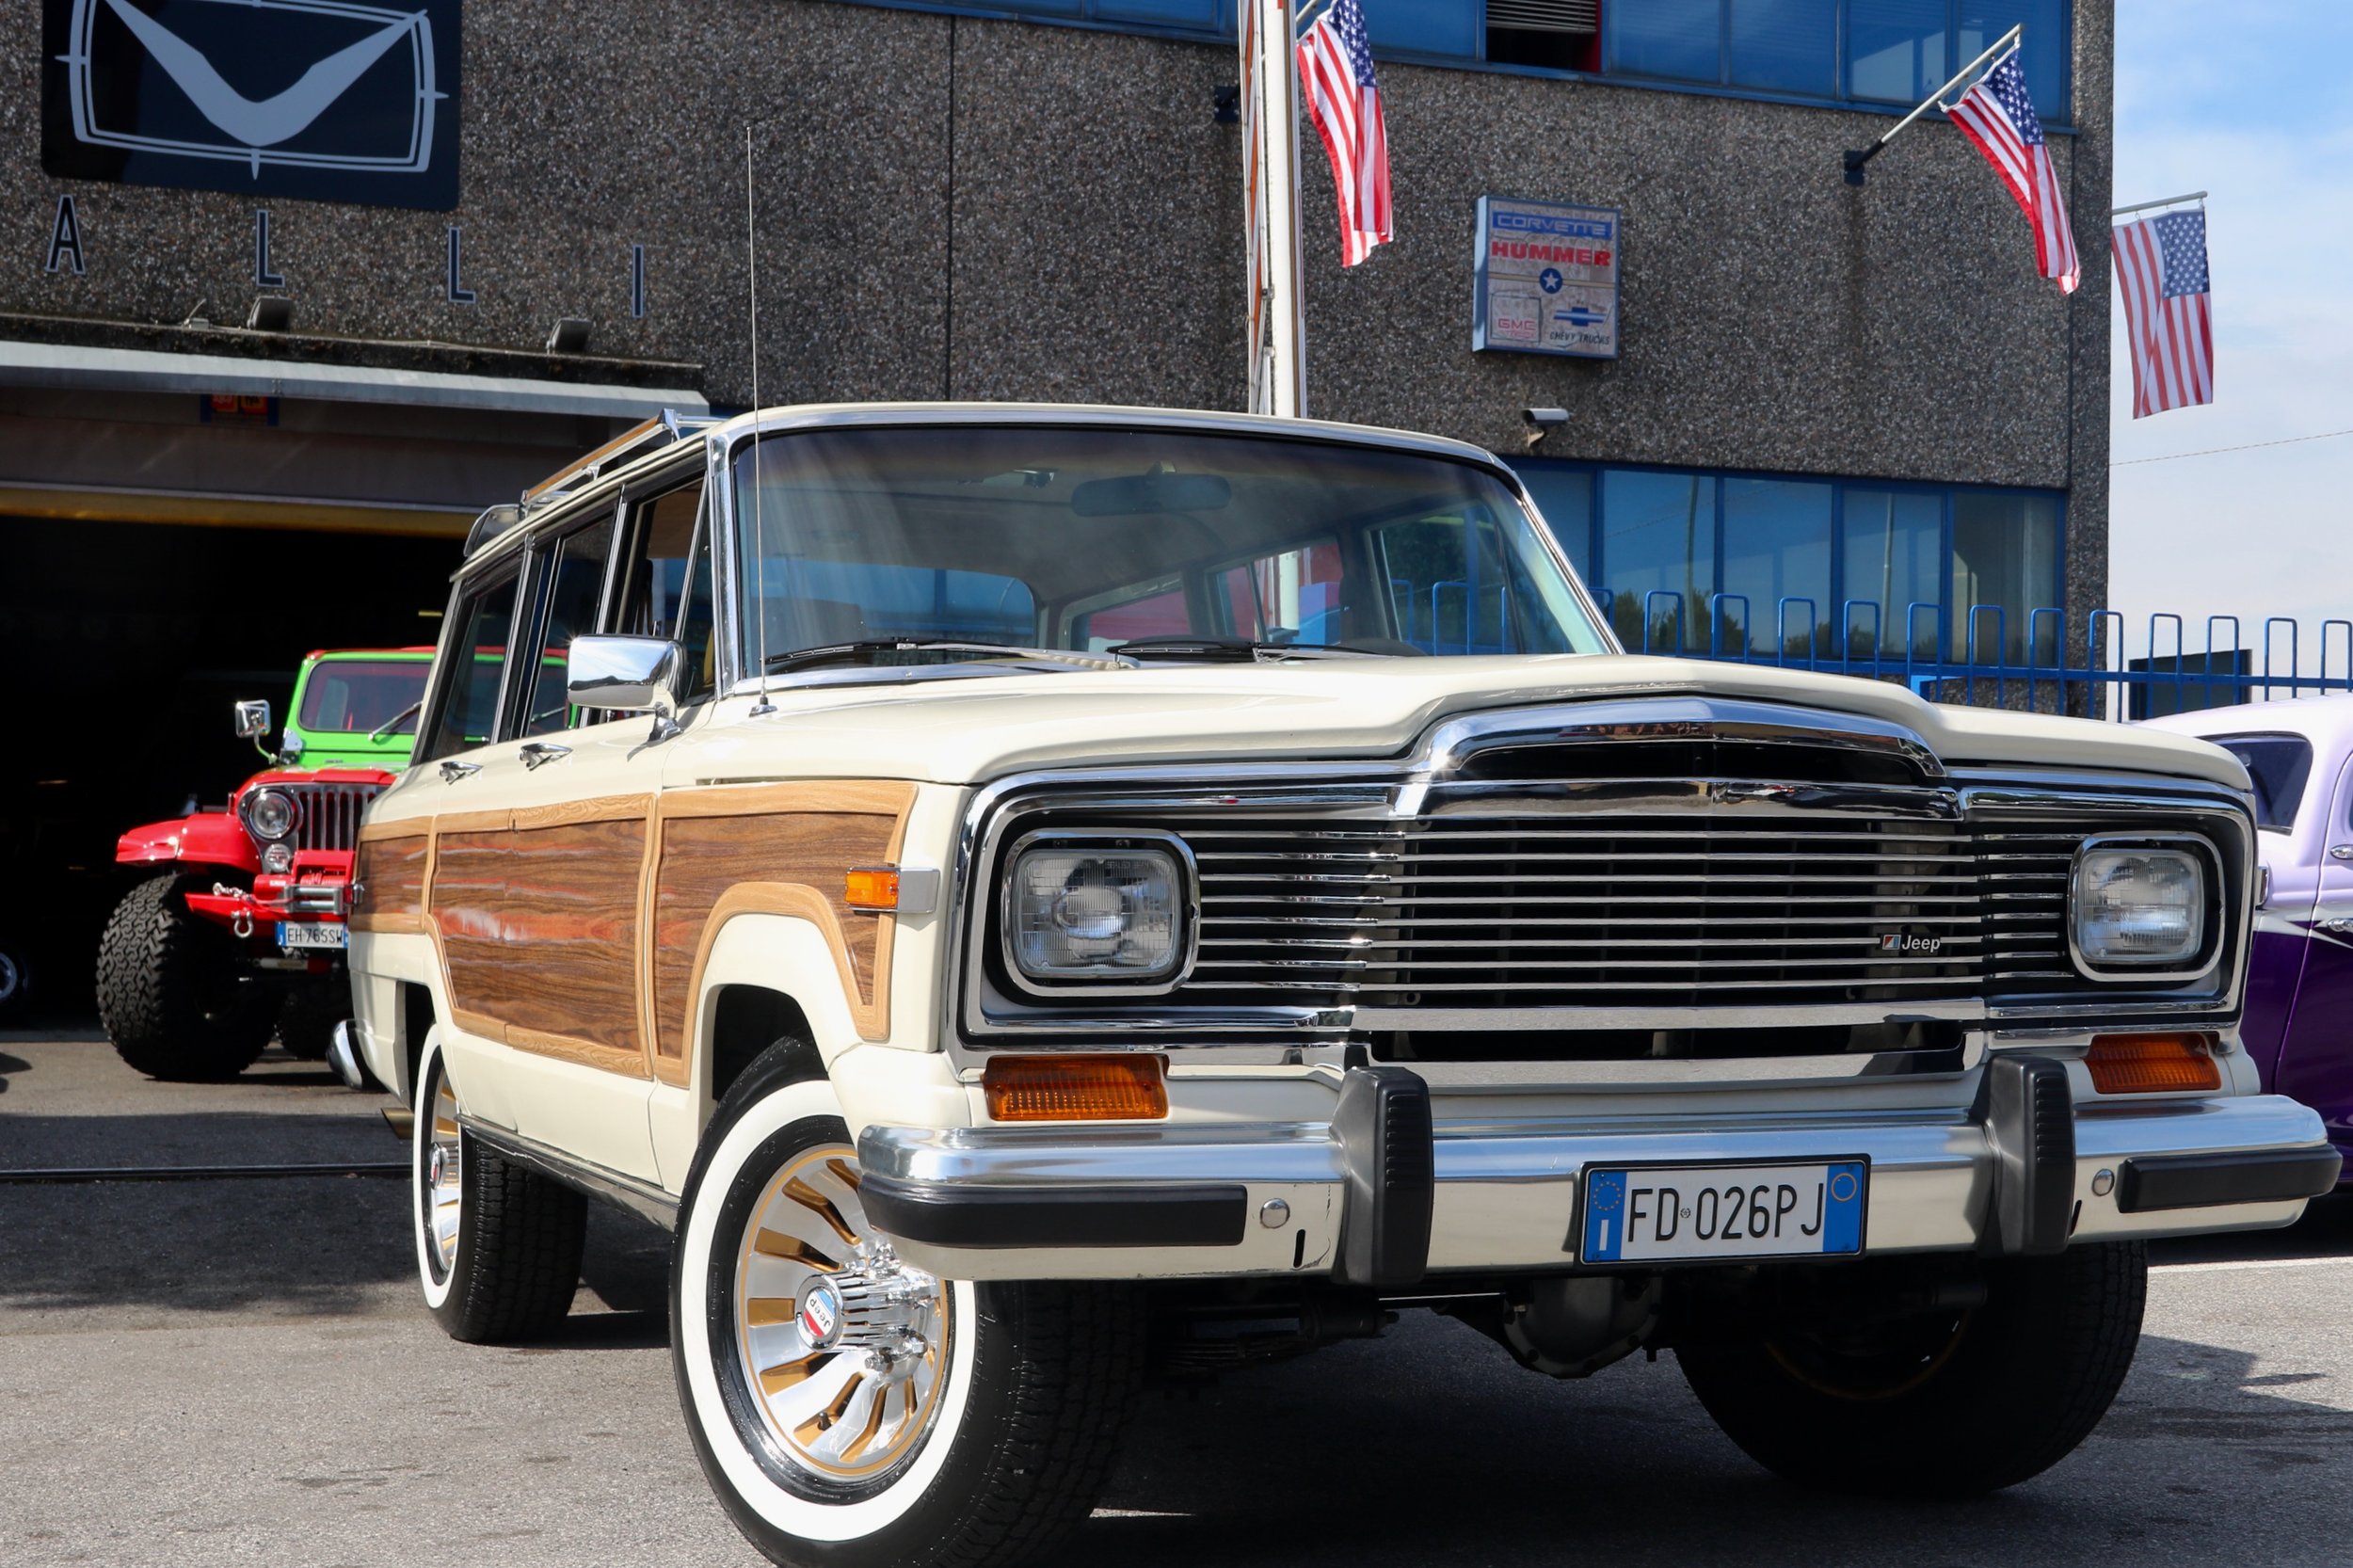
{"type": "Point", "coordinates": [2205, 863]}
{"type": "Point", "coordinates": [282, 809]}
{"type": "Point", "coordinates": [1184, 904]}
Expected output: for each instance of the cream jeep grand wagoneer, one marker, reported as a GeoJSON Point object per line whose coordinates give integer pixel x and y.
{"type": "Point", "coordinates": [1043, 897]}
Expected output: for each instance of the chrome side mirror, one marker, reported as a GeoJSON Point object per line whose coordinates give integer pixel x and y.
{"type": "Point", "coordinates": [622, 675]}
{"type": "Point", "coordinates": [253, 718]}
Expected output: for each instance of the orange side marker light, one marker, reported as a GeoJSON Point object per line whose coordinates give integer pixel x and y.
{"type": "Point", "coordinates": [2153, 1064]}
{"type": "Point", "coordinates": [1076, 1088]}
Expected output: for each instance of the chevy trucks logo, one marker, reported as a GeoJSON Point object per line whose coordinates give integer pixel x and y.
{"type": "Point", "coordinates": [303, 98]}
{"type": "Point", "coordinates": [1910, 944]}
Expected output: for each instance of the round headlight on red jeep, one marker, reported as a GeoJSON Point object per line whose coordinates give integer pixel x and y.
{"type": "Point", "coordinates": [271, 814]}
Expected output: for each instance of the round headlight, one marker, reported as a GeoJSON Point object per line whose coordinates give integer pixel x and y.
{"type": "Point", "coordinates": [1109, 912]}
{"type": "Point", "coordinates": [271, 814]}
{"type": "Point", "coordinates": [2138, 906]}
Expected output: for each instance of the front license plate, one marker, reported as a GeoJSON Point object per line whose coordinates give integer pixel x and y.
{"type": "Point", "coordinates": [309, 934]}
{"type": "Point", "coordinates": [1641, 1214]}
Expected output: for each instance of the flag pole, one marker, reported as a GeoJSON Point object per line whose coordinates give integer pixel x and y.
{"type": "Point", "coordinates": [1278, 328]}
{"type": "Point", "coordinates": [2169, 202]}
{"type": "Point", "coordinates": [2007, 43]}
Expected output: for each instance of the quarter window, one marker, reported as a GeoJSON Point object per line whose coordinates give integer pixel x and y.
{"type": "Point", "coordinates": [575, 588]}
{"type": "Point", "coordinates": [665, 583]}
{"type": "Point", "coordinates": [472, 663]}
{"type": "Point", "coordinates": [2278, 765]}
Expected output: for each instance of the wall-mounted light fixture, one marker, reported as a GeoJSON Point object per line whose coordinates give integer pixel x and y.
{"type": "Point", "coordinates": [569, 336]}
{"type": "Point", "coordinates": [270, 313]}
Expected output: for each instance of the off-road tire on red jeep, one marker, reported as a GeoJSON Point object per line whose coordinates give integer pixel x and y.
{"type": "Point", "coordinates": [169, 991]}
{"type": "Point", "coordinates": [1037, 1380]}
{"type": "Point", "coordinates": [309, 1018]}
{"type": "Point", "coordinates": [1984, 1398]}
{"type": "Point", "coordinates": [512, 1269]}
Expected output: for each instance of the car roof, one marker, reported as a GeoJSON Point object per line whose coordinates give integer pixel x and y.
{"type": "Point", "coordinates": [2326, 721]}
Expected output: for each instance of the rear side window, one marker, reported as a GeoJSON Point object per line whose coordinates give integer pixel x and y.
{"type": "Point", "coordinates": [2278, 764]}
{"type": "Point", "coordinates": [476, 655]}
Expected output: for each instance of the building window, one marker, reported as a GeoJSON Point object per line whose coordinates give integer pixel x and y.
{"type": "Point", "coordinates": [1790, 568]}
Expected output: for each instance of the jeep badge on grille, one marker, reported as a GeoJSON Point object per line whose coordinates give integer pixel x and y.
{"type": "Point", "coordinates": [1908, 942]}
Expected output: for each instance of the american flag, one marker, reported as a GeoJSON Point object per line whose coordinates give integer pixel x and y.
{"type": "Point", "coordinates": [2161, 266]}
{"type": "Point", "coordinates": [1336, 67]}
{"type": "Point", "coordinates": [1998, 114]}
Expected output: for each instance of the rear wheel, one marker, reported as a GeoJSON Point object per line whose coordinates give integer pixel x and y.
{"type": "Point", "coordinates": [311, 1011]}
{"type": "Point", "coordinates": [1935, 1404]}
{"type": "Point", "coordinates": [851, 1410]}
{"type": "Point", "coordinates": [170, 989]}
{"type": "Point", "coordinates": [498, 1246]}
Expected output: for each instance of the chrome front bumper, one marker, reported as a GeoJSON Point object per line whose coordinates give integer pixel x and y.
{"type": "Point", "coordinates": [1104, 1201]}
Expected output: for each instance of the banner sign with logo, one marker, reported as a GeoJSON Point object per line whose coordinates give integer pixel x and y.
{"type": "Point", "coordinates": [1547, 279]}
{"type": "Point", "coordinates": [315, 99]}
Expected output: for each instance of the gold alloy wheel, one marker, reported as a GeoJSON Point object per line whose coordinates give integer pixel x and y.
{"type": "Point", "coordinates": [841, 1346]}
{"type": "Point", "coordinates": [445, 1176]}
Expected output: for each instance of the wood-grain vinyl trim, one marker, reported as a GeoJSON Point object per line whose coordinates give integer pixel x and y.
{"type": "Point", "coordinates": [869, 1016]}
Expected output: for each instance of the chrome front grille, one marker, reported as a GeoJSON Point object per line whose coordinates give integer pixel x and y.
{"type": "Point", "coordinates": [1660, 911]}
{"type": "Point", "coordinates": [329, 813]}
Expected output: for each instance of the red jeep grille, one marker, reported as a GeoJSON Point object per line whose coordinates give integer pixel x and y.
{"type": "Point", "coordinates": [329, 813]}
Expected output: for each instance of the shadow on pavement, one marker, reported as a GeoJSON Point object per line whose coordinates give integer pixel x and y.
{"type": "Point", "coordinates": [1436, 1450]}
{"type": "Point", "coordinates": [11, 1065]}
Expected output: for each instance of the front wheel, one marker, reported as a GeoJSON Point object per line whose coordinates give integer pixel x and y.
{"type": "Point", "coordinates": [851, 1410]}
{"type": "Point", "coordinates": [171, 989]}
{"type": "Point", "coordinates": [1934, 1403]}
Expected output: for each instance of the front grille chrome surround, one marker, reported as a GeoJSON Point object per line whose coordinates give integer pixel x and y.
{"type": "Point", "coordinates": [326, 813]}
{"type": "Point", "coordinates": [1424, 900]}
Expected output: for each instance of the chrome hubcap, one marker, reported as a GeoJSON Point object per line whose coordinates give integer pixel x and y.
{"type": "Point", "coordinates": [843, 1345]}
{"type": "Point", "coordinates": [444, 1174]}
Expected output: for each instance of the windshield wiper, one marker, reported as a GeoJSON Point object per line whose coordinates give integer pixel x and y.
{"type": "Point", "coordinates": [394, 723]}
{"type": "Point", "coordinates": [867, 649]}
{"type": "Point", "coordinates": [1185, 645]}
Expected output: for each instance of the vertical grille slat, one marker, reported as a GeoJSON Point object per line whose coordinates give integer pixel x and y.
{"type": "Point", "coordinates": [329, 813]}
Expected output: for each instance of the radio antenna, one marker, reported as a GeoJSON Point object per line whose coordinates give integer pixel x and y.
{"type": "Point", "coordinates": [759, 531]}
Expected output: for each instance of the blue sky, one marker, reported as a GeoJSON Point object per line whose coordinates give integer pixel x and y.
{"type": "Point", "coordinates": [2248, 101]}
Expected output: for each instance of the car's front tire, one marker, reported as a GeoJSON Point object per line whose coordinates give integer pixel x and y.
{"type": "Point", "coordinates": [1941, 1403]}
{"type": "Point", "coordinates": [170, 991]}
{"type": "Point", "coordinates": [850, 1410]}
{"type": "Point", "coordinates": [498, 1246]}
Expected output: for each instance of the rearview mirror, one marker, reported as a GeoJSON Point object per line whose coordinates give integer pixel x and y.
{"type": "Point", "coordinates": [253, 718]}
{"type": "Point", "coordinates": [1146, 493]}
{"type": "Point", "coordinates": [621, 675]}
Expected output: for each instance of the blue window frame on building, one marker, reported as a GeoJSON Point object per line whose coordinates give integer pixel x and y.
{"type": "Point", "coordinates": [1858, 52]}
{"type": "Point", "coordinates": [1794, 566]}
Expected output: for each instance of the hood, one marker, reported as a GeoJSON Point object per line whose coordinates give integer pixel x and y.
{"type": "Point", "coordinates": [971, 730]}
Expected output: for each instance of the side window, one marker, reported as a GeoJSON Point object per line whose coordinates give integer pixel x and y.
{"type": "Point", "coordinates": [1292, 597]}
{"type": "Point", "coordinates": [665, 583]}
{"type": "Point", "coordinates": [575, 578]}
{"type": "Point", "coordinates": [468, 700]}
{"type": "Point", "coordinates": [1455, 589]}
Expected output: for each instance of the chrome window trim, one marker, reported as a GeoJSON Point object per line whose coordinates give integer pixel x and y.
{"type": "Point", "coordinates": [2126, 971]}
{"type": "Point", "coordinates": [1187, 914]}
{"type": "Point", "coordinates": [1383, 789]}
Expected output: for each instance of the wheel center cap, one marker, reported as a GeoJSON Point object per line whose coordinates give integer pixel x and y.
{"type": "Point", "coordinates": [820, 1316]}
{"type": "Point", "coordinates": [436, 1165]}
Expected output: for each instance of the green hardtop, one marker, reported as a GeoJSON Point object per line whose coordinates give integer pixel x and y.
{"type": "Point", "coordinates": [356, 708]}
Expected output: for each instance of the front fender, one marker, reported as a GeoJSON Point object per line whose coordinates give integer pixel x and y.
{"type": "Point", "coordinates": [206, 838]}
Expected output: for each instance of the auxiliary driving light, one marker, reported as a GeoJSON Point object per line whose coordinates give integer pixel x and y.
{"type": "Point", "coordinates": [1076, 1088]}
{"type": "Point", "coordinates": [2153, 1064]}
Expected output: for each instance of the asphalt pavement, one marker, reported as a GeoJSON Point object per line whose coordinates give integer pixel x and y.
{"type": "Point", "coordinates": [239, 1371]}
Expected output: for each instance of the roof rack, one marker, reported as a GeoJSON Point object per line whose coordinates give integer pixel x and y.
{"type": "Point", "coordinates": [668, 426]}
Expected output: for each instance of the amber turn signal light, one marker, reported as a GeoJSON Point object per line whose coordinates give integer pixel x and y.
{"type": "Point", "coordinates": [1076, 1088]}
{"type": "Point", "coordinates": [2151, 1064]}
{"type": "Point", "coordinates": [872, 887]}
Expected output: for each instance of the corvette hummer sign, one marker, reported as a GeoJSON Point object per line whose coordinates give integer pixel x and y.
{"type": "Point", "coordinates": [317, 99]}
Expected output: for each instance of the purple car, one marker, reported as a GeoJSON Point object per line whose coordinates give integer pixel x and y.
{"type": "Point", "coordinates": [2298, 1027]}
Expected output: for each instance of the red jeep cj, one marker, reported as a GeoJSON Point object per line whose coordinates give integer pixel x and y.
{"type": "Point", "coordinates": [242, 931]}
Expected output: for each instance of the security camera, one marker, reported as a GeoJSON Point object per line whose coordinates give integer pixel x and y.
{"type": "Point", "coordinates": [1542, 423]}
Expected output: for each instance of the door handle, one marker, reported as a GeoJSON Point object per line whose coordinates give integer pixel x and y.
{"type": "Point", "coordinates": [2340, 852]}
{"type": "Point", "coordinates": [453, 770]}
{"type": "Point", "coordinates": [2338, 925]}
{"type": "Point", "coordinates": [535, 752]}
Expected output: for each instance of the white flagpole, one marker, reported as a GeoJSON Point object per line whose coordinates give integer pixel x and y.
{"type": "Point", "coordinates": [1271, 186]}
{"type": "Point", "coordinates": [2196, 196]}
{"type": "Point", "coordinates": [1855, 160]}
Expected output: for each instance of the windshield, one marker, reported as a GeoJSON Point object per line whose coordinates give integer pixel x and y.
{"type": "Point", "coordinates": [361, 696]}
{"type": "Point", "coordinates": [1091, 541]}
{"type": "Point", "coordinates": [2278, 766]}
